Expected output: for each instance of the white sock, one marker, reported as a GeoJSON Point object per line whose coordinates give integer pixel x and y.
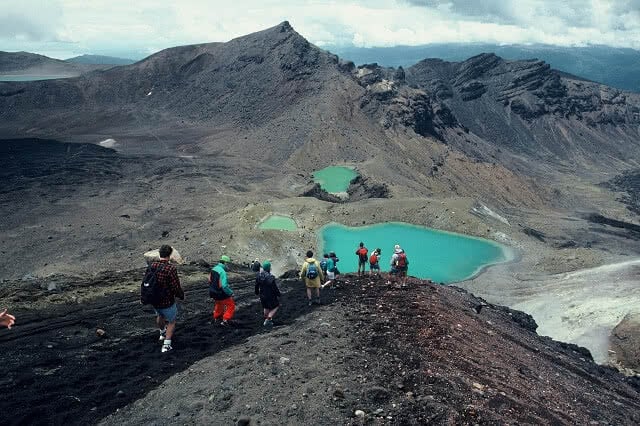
{"type": "Point", "coordinates": [167, 342]}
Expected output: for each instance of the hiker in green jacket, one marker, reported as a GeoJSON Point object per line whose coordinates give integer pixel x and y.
{"type": "Point", "coordinates": [219, 290]}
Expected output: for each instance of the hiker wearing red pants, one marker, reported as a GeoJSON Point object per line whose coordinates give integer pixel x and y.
{"type": "Point", "coordinates": [220, 291]}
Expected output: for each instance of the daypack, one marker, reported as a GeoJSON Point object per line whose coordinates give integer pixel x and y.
{"type": "Point", "coordinates": [362, 252]}
{"type": "Point", "coordinates": [323, 265]}
{"type": "Point", "coordinates": [312, 271]}
{"type": "Point", "coordinates": [401, 260]}
{"type": "Point", "coordinates": [150, 290]}
{"type": "Point", "coordinates": [215, 288]}
{"type": "Point", "coordinates": [373, 260]}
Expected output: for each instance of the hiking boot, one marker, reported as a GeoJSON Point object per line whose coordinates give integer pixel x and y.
{"type": "Point", "coordinates": [166, 348]}
{"type": "Point", "coordinates": [318, 301]}
{"type": "Point", "coordinates": [163, 335]}
{"type": "Point", "coordinates": [310, 303]}
{"type": "Point", "coordinates": [268, 322]}
{"type": "Point", "coordinates": [225, 323]}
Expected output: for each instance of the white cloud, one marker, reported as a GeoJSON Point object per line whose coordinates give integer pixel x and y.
{"type": "Point", "coordinates": [145, 26]}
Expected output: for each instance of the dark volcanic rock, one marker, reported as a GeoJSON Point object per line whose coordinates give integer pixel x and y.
{"type": "Point", "coordinates": [317, 192]}
{"type": "Point", "coordinates": [362, 188]}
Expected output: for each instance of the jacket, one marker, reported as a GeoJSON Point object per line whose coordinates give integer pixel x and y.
{"type": "Point", "coordinates": [315, 282]}
{"type": "Point", "coordinates": [219, 290]}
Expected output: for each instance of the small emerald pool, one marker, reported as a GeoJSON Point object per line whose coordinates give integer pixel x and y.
{"type": "Point", "coordinates": [282, 223]}
{"type": "Point", "coordinates": [335, 179]}
{"type": "Point", "coordinates": [438, 255]}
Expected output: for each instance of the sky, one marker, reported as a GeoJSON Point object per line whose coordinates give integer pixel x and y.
{"type": "Point", "coordinates": [137, 28]}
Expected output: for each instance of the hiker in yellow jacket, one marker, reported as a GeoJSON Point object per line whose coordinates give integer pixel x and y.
{"type": "Point", "coordinates": [313, 277]}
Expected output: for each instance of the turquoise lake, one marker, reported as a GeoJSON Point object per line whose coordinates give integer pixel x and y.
{"type": "Point", "coordinates": [282, 223]}
{"type": "Point", "coordinates": [440, 256]}
{"type": "Point", "coordinates": [335, 179]}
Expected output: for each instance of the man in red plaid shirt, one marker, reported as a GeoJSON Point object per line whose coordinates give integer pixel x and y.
{"type": "Point", "coordinates": [166, 307]}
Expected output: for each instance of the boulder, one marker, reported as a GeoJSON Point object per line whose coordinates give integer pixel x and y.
{"type": "Point", "coordinates": [153, 255]}
{"type": "Point", "coordinates": [624, 342]}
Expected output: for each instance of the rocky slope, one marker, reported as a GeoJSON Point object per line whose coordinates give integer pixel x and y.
{"type": "Point", "coordinates": [394, 355]}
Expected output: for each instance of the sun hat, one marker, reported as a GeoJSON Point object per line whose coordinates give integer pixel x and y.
{"type": "Point", "coordinates": [225, 258]}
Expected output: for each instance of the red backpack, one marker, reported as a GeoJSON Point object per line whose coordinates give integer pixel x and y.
{"type": "Point", "coordinates": [362, 252]}
{"type": "Point", "coordinates": [401, 260]}
{"type": "Point", "coordinates": [373, 260]}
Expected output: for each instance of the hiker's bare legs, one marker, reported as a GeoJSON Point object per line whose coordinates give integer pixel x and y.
{"type": "Point", "coordinates": [271, 313]}
{"type": "Point", "coordinates": [309, 294]}
{"type": "Point", "coordinates": [160, 322]}
{"type": "Point", "coordinates": [6, 320]}
{"type": "Point", "coordinates": [171, 326]}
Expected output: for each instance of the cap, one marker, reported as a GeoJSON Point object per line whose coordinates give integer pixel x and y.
{"type": "Point", "coordinates": [397, 247]}
{"type": "Point", "coordinates": [225, 258]}
{"type": "Point", "coordinates": [266, 265]}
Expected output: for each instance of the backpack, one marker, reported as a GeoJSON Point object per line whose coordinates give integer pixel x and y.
{"type": "Point", "coordinates": [150, 291]}
{"type": "Point", "coordinates": [373, 260]}
{"type": "Point", "coordinates": [362, 252]}
{"type": "Point", "coordinates": [215, 289]}
{"type": "Point", "coordinates": [401, 260]}
{"type": "Point", "coordinates": [323, 265]}
{"type": "Point", "coordinates": [312, 271]}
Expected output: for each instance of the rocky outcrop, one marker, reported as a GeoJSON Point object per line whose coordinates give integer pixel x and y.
{"type": "Point", "coordinates": [362, 188]}
{"type": "Point", "coordinates": [624, 342]}
{"type": "Point", "coordinates": [317, 192]}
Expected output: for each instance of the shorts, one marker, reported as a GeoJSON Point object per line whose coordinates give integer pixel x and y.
{"type": "Point", "coordinates": [315, 283]}
{"type": "Point", "coordinates": [401, 271]}
{"type": "Point", "coordinates": [269, 302]}
{"type": "Point", "coordinates": [362, 262]}
{"type": "Point", "coordinates": [331, 276]}
{"type": "Point", "coordinates": [170, 314]}
{"type": "Point", "coordinates": [375, 267]}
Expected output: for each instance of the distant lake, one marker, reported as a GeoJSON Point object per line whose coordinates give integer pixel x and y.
{"type": "Point", "coordinates": [335, 179]}
{"type": "Point", "coordinates": [32, 77]}
{"type": "Point", "coordinates": [282, 223]}
{"type": "Point", "coordinates": [438, 255]}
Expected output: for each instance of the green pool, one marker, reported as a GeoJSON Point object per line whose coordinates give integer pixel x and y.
{"type": "Point", "coordinates": [282, 223]}
{"type": "Point", "coordinates": [440, 256]}
{"type": "Point", "coordinates": [335, 179]}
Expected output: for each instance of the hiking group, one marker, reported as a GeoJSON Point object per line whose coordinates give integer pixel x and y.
{"type": "Point", "coordinates": [161, 285]}
{"type": "Point", "coordinates": [399, 264]}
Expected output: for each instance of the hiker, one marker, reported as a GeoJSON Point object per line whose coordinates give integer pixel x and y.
{"type": "Point", "coordinates": [255, 266]}
{"type": "Point", "coordinates": [313, 277]}
{"type": "Point", "coordinates": [268, 291]}
{"type": "Point", "coordinates": [362, 253]}
{"type": "Point", "coordinates": [374, 262]}
{"type": "Point", "coordinates": [331, 269]}
{"type": "Point", "coordinates": [323, 263]}
{"type": "Point", "coordinates": [399, 264]}
{"type": "Point", "coordinates": [6, 320]}
{"type": "Point", "coordinates": [160, 288]}
{"type": "Point", "coordinates": [332, 256]}
{"type": "Point", "coordinates": [221, 293]}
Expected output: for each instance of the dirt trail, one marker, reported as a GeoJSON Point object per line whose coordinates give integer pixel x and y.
{"type": "Point", "coordinates": [60, 372]}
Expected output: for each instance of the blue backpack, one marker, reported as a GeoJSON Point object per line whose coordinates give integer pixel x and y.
{"type": "Point", "coordinates": [323, 265]}
{"type": "Point", "coordinates": [312, 271]}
